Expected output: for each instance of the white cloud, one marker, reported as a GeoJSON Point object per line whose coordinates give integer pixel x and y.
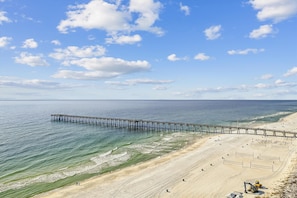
{"type": "Point", "coordinates": [3, 18]}
{"type": "Point", "coordinates": [56, 42]}
{"type": "Point", "coordinates": [124, 39]}
{"type": "Point", "coordinates": [291, 72]}
{"type": "Point", "coordinates": [74, 52]}
{"type": "Point", "coordinates": [173, 57]}
{"type": "Point", "coordinates": [95, 65]}
{"type": "Point", "coordinates": [97, 14]}
{"type": "Point", "coordinates": [110, 64]}
{"type": "Point", "coordinates": [279, 82]}
{"type": "Point", "coordinates": [30, 43]}
{"type": "Point", "coordinates": [133, 82]}
{"type": "Point", "coordinates": [266, 76]}
{"type": "Point", "coordinates": [83, 75]}
{"type": "Point", "coordinates": [213, 32]}
{"type": "Point", "coordinates": [245, 51]}
{"type": "Point", "coordinates": [148, 12]}
{"type": "Point", "coordinates": [262, 32]}
{"type": "Point", "coordinates": [104, 67]}
{"type": "Point", "coordinates": [276, 10]}
{"type": "Point", "coordinates": [4, 41]}
{"type": "Point", "coordinates": [261, 86]}
{"type": "Point", "coordinates": [31, 60]}
{"type": "Point", "coordinates": [113, 17]}
{"type": "Point", "coordinates": [184, 9]}
{"type": "Point", "coordinates": [31, 83]}
{"type": "Point", "coordinates": [202, 57]}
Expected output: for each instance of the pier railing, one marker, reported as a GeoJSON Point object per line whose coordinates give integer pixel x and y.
{"type": "Point", "coordinates": [145, 125]}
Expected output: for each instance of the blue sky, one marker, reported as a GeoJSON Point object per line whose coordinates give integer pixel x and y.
{"type": "Point", "coordinates": [148, 49]}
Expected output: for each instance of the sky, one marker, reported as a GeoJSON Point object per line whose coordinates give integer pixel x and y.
{"type": "Point", "coordinates": [148, 49]}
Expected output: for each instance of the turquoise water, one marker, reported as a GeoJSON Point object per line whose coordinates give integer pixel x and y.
{"type": "Point", "coordinates": [38, 155]}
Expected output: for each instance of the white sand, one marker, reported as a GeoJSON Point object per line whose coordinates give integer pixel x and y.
{"type": "Point", "coordinates": [212, 167]}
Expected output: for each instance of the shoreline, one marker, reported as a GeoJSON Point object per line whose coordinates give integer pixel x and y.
{"type": "Point", "coordinates": [199, 164]}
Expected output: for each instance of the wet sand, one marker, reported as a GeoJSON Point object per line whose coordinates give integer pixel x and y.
{"type": "Point", "coordinates": [213, 166]}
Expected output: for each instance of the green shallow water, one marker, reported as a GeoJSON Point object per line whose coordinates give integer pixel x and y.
{"type": "Point", "coordinates": [145, 149]}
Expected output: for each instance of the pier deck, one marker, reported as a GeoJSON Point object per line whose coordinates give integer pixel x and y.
{"type": "Point", "coordinates": [145, 125]}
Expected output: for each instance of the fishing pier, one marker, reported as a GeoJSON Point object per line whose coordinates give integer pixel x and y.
{"type": "Point", "coordinates": [145, 125]}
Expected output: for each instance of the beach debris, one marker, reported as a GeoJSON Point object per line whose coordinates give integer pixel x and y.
{"type": "Point", "coordinates": [202, 169]}
{"type": "Point", "coordinates": [167, 191]}
{"type": "Point", "coordinates": [184, 180]}
{"type": "Point", "coordinates": [211, 164]}
{"type": "Point", "coordinates": [235, 195]}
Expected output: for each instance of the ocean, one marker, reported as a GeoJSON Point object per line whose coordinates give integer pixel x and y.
{"type": "Point", "coordinates": [37, 155]}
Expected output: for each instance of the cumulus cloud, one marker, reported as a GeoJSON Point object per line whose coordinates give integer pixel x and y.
{"type": "Point", "coordinates": [124, 39]}
{"type": "Point", "coordinates": [173, 57]}
{"type": "Point", "coordinates": [113, 17]}
{"type": "Point", "coordinates": [73, 52]}
{"type": "Point", "coordinates": [262, 32]}
{"type": "Point", "coordinates": [30, 43]}
{"type": "Point", "coordinates": [104, 67]}
{"type": "Point", "coordinates": [94, 64]}
{"type": "Point", "coordinates": [245, 51]}
{"type": "Point", "coordinates": [97, 14]}
{"type": "Point", "coordinates": [185, 9]}
{"type": "Point", "coordinates": [4, 41]}
{"type": "Point", "coordinates": [276, 10]}
{"type": "Point", "coordinates": [133, 82]}
{"type": "Point", "coordinates": [3, 18]}
{"type": "Point", "coordinates": [148, 12]}
{"type": "Point", "coordinates": [31, 60]}
{"type": "Point", "coordinates": [279, 82]}
{"type": "Point", "coordinates": [110, 64]}
{"type": "Point", "coordinates": [213, 32]}
{"type": "Point", "coordinates": [291, 72]}
{"type": "Point", "coordinates": [202, 57]}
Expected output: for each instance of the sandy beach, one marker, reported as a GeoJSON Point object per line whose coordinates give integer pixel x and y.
{"type": "Point", "coordinates": [213, 166]}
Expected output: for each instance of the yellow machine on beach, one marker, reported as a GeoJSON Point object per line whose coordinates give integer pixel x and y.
{"type": "Point", "coordinates": [248, 187]}
{"type": "Point", "coordinates": [253, 188]}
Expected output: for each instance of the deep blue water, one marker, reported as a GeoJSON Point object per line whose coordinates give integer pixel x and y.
{"type": "Point", "coordinates": [33, 149]}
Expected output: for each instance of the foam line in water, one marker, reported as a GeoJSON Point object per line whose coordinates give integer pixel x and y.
{"type": "Point", "coordinates": [99, 162]}
{"type": "Point", "coordinates": [274, 115]}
